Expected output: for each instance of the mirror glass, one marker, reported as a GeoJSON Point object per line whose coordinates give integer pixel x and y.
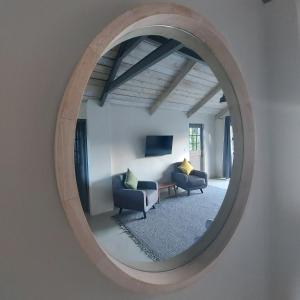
{"type": "Point", "coordinates": [154, 151]}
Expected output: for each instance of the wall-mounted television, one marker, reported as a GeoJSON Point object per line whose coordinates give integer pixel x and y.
{"type": "Point", "coordinates": [157, 145]}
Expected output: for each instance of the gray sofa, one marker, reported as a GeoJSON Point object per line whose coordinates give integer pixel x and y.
{"type": "Point", "coordinates": [142, 199]}
{"type": "Point", "coordinates": [194, 181]}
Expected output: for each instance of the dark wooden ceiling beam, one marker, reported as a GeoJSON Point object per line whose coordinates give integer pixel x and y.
{"type": "Point", "coordinates": [184, 51]}
{"type": "Point", "coordinates": [124, 49]}
{"type": "Point", "coordinates": [152, 58]}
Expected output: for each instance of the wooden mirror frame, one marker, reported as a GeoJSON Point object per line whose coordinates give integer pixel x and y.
{"type": "Point", "coordinates": [142, 16]}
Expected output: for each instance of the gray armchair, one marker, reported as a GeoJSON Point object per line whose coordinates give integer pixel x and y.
{"type": "Point", "coordinates": [194, 181]}
{"type": "Point", "coordinates": [142, 199]}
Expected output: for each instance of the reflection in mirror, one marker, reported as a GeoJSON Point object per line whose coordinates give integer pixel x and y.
{"type": "Point", "coordinates": [154, 150]}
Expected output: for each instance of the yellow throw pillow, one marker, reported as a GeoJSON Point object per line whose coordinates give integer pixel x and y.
{"type": "Point", "coordinates": [186, 167]}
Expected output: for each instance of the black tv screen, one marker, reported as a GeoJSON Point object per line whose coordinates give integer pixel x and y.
{"type": "Point", "coordinates": [157, 145]}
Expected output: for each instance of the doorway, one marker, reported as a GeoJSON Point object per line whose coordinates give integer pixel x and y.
{"type": "Point", "coordinates": [196, 146]}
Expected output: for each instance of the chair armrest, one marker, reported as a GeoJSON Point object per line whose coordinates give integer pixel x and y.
{"type": "Point", "coordinates": [130, 199]}
{"type": "Point", "coordinates": [200, 174]}
{"type": "Point", "coordinates": [179, 178]}
{"type": "Point", "coordinates": [147, 185]}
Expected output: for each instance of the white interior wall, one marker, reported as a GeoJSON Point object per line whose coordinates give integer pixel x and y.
{"type": "Point", "coordinates": [82, 111]}
{"type": "Point", "coordinates": [41, 43]}
{"type": "Point", "coordinates": [130, 126]}
{"type": "Point", "coordinates": [116, 141]}
{"type": "Point", "coordinates": [283, 48]}
{"type": "Point", "coordinates": [209, 141]}
{"type": "Point", "coordinates": [99, 157]}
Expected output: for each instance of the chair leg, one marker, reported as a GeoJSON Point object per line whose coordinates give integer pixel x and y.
{"type": "Point", "coordinates": [120, 210]}
{"type": "Point", "coordinates": [189, 192]}
{"type": "Point", "coordinates": [201, 191]}
{"type": "Point", "coordinates": [145, 216]}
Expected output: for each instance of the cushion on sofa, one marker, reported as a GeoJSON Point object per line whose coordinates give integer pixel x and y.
{"type": "Point", "coordinates": [185, 167]}
{"type": "Point", "coordinates": [130, 181]}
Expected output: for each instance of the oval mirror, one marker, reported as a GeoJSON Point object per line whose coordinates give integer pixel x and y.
{"type": "Point", "coordinates": [154, 149]}
{"type": "Point", "coordinates": [160, 140]}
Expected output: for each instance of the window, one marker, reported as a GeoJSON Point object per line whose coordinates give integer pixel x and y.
{"type": "Point", "coordinates": [196, 137]}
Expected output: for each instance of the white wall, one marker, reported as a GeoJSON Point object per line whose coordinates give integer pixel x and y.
{"type": "Point", "coordinates": [99, 157]}
{"type": "Point", "coordinates": [41, 42]}
{"type": "Point", "coordinates": [130, 126]}
{"type": "Point", "coordinates": [209, 142]}
{"type": "Point", "coordinates": [82, 111]}
{"type": "Point", "coordinates": [284, 94]}
{"type": "Point", "coordinates": [116, 141]}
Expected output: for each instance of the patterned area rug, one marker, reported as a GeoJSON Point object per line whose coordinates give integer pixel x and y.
{"type": "Point", "coordinates": [175, 225]}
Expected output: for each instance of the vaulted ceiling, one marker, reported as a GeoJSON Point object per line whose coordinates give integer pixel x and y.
{"type": "Point", "coordinates": [156, 74]}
